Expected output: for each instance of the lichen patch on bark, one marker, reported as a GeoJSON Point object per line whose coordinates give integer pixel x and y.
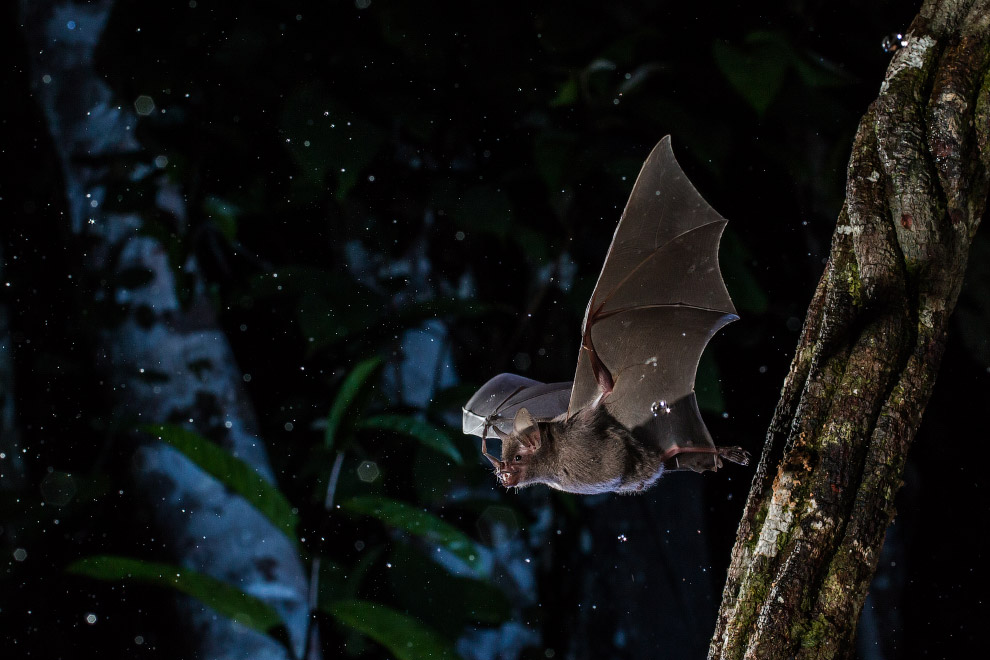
{"type": "Point", "coordinates": [779, 516]}
{"type": "Point", "coordinates": [911, 56]}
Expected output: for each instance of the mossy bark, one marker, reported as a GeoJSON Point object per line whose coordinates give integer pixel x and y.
{"type": "Point", "coordinates": [823, 494]}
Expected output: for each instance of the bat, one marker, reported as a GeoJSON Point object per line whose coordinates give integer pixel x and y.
{"type": "Point", "coordinates": [630, 413]}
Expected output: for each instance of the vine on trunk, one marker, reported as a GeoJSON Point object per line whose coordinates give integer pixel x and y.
{"type": "Point", "coordinates": [823, 494]}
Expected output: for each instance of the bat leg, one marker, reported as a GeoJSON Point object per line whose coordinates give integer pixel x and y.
{"type": "Point", "coordinates": [734, 454]}
{"type": "Point", "coordinates": [484, 452]}
{"type": "Point", "coordinates": [674, 451]}
{"type": "Point", "coordinates": [498, 465]}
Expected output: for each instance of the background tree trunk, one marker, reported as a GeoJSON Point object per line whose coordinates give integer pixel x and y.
{"type": "Point", "coordinates": [159, 350]}
{"type": "Point", "coordinates": [823, 494]}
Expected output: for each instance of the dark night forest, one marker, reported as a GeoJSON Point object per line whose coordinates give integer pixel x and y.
{"type": "Point", "coordinates": [254, 257]}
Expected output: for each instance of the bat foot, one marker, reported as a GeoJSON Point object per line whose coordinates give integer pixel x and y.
{"type": "Point", "coordinates": [734, 454]}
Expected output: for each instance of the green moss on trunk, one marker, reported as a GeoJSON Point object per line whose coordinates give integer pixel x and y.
{"type": "Point", "coordinates": [866, 363]}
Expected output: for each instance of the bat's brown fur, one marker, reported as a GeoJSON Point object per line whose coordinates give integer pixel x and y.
{"type": "Point", "coordinates": [589, 453]}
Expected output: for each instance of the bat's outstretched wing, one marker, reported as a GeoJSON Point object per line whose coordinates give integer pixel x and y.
{"type": "Point", "coordinates": [659, 299]}
{"type": "Point", "coordinates": [498, 400]}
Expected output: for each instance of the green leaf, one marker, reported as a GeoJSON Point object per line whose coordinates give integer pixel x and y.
{"type": "Point", "coordinates": [222, 597]}
{"type": "Point", "coordinates": [326, 138]}
{"type": "Point", "coordinates": [484, 209]}
{"type": "Point", "coordinates": [232, 472]}
{"type": "Point", "coordinates": [342, 583]}
{"type": "Point", "coordinates": [430, 435]}
{"type": "Point", "coordinates": [567, 95]}
{"type": "Point", "coordinates": [323, 320]}
{"type": "Point", "coordinates": [444, 601]}
{"type": "Point", "coordinates": [735, 260]}
{"type": "Point", "coordinates": [432, 478]}
{"type": "Point", "coordinates": [756, 71]}
{"type": "Point", "coordinates": [339, 582]}
{"type": "Point", "coordinates": [707, 388]}
{"type": "Point", "coordinates": [819, 73]}
{"type": "Point", "coordinates": [557, 157]}
{"type": "Point", "coordinates": [419, 522]}
{"type": "Point", "coordinates": [349, 391]}
{"type": "Point", "coordinates": [534, 244]}
{"type": "Point", "coordinates": [401, 634]}
{"type": "Point", "coordinates": [224, 215]}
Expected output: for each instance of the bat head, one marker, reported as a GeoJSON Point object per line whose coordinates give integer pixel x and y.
{"type": "Point", "coordinates": [519, 449]}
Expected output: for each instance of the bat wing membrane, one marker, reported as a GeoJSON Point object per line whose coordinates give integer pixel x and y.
{"type": "Point", "coordinates": [498, 400]}
{"type": "Point", "coordinates": [659, 299]}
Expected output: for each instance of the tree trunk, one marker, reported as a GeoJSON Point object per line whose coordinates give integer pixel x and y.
{"type": "Point", "coordinates": [823, 494]}
{"type": "Point", "coordinates": [160, 360]}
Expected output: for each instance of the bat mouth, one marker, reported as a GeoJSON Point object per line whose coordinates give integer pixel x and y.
{"type": "Point", "coordinates": [509, 477]}
{"type": "Point", "coordinates": [510, 480]}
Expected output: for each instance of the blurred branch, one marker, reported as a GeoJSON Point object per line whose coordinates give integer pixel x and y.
{"type": "Point", "coordinates": [823, 494]}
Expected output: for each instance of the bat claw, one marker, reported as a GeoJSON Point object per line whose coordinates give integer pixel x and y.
{"type": "Point", "coordinates": [734, 454]}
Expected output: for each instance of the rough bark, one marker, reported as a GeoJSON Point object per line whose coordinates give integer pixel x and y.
{"type": "Point", "coordinates": [159, 360]}
{"type": "Point", "coordinates": [823, 494]}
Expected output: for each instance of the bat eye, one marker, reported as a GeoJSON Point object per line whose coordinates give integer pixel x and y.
{"type": "Point", "coordinates": [518, 457]}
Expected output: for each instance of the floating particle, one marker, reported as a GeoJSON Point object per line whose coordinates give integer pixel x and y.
{"type": "Point", "coordinates": [893, 42]}
{"type": "Point", "coordinates": [144, 105]}
{"type": "Point", "coordinates": [368, 471]}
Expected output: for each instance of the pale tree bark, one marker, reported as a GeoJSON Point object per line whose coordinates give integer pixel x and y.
{"type": "Point", "coordinates": [159, 360]}
{"type": "Point", "coordinates": [823, 494]}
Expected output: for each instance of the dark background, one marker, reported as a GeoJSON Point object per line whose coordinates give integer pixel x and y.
{"type": "Point", "coordinates": [411, 163]}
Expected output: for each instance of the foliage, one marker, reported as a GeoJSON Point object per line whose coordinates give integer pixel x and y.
{"type": "Point", "coordinates": [431, 436]}
{"type": "Point", "coordinates": [353, 175]}
{"type": "Point", "coordinates": [222, 597]}
{"type": "Point", "coordinates": [421, 523]}
{"type": "Point", "coordinates": [349, 391]}
{"type": "Point", "coordinates": [401, 634]}
{"type": "Point", "coordinates": [231, 472]}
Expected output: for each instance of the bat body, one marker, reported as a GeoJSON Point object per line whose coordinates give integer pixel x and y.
{"type": "Point", "coordinates": [588, 453]}
{"type": "Point", "coordinates": [630, 412]}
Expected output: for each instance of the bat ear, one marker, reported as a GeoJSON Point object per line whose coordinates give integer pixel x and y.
{"type": "Point", "coordinates": [522, 421]}
{"type": "Point", "coordinates": [527, 429]}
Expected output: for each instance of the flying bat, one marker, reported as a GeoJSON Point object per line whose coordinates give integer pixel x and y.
{"type": "Point", "coordinates": [630, 413]}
